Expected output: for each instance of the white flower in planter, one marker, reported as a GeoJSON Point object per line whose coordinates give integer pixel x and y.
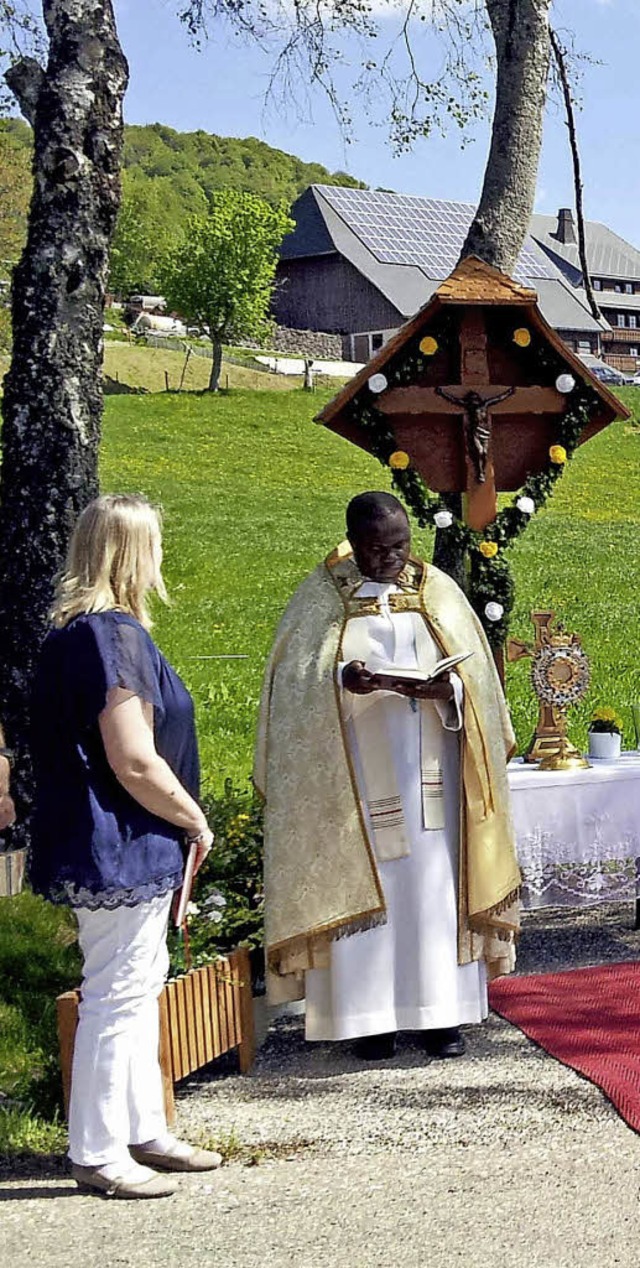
{"type": "Point", "coordinates": [526, 505]}
{"type": "Point", "coordinates": [443, 519]}
{"type": "Point", "coordinates": [494, 611]}
{"type": "Point", "coordinates": [214, 916]}
{"type": "Point", "coordinates": [192, 910]}
{"type": "Point", "coordinates": [215, 899]}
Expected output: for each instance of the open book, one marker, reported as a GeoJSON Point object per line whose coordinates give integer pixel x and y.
{"type": "Point", "coordinates": [183, 895]}
{"type": "Point", "coordinates": [419, 675]}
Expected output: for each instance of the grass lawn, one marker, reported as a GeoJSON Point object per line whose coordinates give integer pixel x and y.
{"type": "Point", "coordinates": [137, 366]}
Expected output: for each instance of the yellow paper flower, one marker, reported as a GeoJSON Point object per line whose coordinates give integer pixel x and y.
{"type": "Point", "coordinates": [488, 549]}
{"type": "Point", "coordinates": [522, 337]}
{"type": "Point", "coordinates": [428, 346]}
{"type": "Point", "coordinates": [399, 460]}
{"type": "Point", "coordinates": [558, 454]}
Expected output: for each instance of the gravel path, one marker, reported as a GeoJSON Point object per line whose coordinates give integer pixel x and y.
{"type": "Point", "coordinates": [503, 1153]}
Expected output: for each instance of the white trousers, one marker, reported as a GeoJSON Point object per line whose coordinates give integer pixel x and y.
{"type": "Point", "coordinates": [116, 1084]}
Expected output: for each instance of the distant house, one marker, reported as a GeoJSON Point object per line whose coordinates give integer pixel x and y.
{"type": "Point", "coordinates": [361, 262]}
{"type": "Point", "coordinates": [148, 303]}
{"type": "Point", "coordinates": [136, 304]}
{"type": "Point", "coordinates": [614, 269]}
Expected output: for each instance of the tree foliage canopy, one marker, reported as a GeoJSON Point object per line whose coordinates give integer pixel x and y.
{"type": "Point", "coordinates": [222, 274]}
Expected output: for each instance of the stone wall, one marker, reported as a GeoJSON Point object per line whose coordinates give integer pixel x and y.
{"type": "Point", "coordinates": [305, 343]}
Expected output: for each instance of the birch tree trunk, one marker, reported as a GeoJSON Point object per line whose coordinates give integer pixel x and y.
{"type": "Point", "coordinates": [521, 34]}
{"type": "Point", "coordinates": [53, 398]}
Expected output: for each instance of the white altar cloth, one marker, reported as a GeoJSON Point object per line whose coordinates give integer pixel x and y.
{"type": "Point", "coordinates": [577, 832]}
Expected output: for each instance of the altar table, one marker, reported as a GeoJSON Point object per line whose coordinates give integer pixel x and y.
{"type": "Point", "coordinates": [578, 832]}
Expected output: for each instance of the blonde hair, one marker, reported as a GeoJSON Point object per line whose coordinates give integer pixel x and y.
{"type": "Point", "coordinates": [113, 560]}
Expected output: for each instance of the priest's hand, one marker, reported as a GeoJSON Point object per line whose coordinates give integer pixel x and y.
{"type": "Point", "coordinates": [358, 679]}
{"type": "Point", "coordinates": [441, 689]}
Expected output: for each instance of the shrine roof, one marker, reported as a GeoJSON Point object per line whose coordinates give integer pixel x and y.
{"type": "Point", "coordinates": [474, 282]}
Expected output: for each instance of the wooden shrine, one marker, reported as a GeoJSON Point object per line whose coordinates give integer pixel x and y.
{"type": "Point", "coordinates": [477, 400]}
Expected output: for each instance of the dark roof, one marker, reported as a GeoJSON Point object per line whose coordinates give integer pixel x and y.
{"type": "Point", "coordinates": [310, 236]}
{"type": "Point", "coordinates": [607, 254]}
{"type": "Point", "coordinates": [406, 245]}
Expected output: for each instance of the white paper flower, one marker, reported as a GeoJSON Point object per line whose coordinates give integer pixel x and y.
{"type": "Point", "coordinates": [443, 519]}
{"type": "Point", "coordinates": [378, 383]}
{"type": "Point", "coordinates": [565, 383]}
{"type": "Point", "coordinates": [526, 505]}
{"type": "Point", "coordinates": [494, 611]}
{"type": "Point", "coordinates": [192, 909]}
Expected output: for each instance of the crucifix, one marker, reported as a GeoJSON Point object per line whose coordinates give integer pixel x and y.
{"type": "Point", "coordinates": [478, 429]}
{"type": "Point", "coordinates": [474, 403]}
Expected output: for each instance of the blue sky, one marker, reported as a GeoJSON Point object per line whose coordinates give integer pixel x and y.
{"type": "Point", "coordinates": [221, 89]}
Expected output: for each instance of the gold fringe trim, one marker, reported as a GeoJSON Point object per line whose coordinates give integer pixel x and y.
{"type": "Point", "coordinates": [307, 946]}
{"type": "Point", "coordinates": [489, 921]}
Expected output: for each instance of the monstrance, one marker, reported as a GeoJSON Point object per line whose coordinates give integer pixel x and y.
{"type": "Point", "coordinates": [560, 678]}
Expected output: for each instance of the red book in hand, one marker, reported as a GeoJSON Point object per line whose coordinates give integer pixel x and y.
{"type": "Point", "coordinates": [183, 895]}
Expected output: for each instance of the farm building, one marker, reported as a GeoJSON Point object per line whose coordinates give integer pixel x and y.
{"type": "Point", "coordinates": [359, 263]}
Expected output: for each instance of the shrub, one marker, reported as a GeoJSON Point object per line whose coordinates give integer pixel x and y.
{"type": "Point", "coordinates": [233, 873]}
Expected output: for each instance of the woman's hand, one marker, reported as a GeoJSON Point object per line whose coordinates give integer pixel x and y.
{"type": "Point", "coordinates": [7, 808]}
{"type": "Point", "coordinates": [203, 843]}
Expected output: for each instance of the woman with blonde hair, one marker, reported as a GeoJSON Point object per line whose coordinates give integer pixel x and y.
{"type": "Point", "coordinates": [117, 781]}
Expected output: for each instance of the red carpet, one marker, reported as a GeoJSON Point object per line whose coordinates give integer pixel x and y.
{"type": "Point", "coordinates": [589, 1019]}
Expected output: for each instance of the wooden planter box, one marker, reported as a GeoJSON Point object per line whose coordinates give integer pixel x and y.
{"type": "Point", "coordinates": [203, 1014]}
{"type": "Point", "coordinates": [12, 870]}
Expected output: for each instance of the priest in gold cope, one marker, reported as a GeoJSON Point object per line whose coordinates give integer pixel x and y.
{"type": "Point", "coordinates": [391, 879]}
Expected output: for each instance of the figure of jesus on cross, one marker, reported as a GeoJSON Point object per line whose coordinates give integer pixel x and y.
{"type": "Point", "coordinates": [478, 420]}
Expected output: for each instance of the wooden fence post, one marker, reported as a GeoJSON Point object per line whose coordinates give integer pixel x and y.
{"type": "Point", "coordinates": [247, 1045]}
{"type": "Point", "coordinates": [165, 1061]}
{"type": "Point", "coordinates": [67, 1017]}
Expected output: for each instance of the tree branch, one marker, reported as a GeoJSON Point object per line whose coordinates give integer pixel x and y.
{"type": "Point", "coordinates": [25, 79]}
{"type": "Point", "coordinates": [559, 54]}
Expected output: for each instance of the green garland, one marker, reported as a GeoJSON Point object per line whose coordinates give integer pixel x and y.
{"type": "Point", "coordinates": [490, 579]}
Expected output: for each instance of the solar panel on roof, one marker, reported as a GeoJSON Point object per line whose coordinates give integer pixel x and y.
{"type": "Point", "coordinates": [409, 229]}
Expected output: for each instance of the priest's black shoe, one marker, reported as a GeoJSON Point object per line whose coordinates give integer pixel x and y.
{"type": "Point", "coordinates": [444, 1043]}
{"type": "Point", "coordinates": [376, 1047]}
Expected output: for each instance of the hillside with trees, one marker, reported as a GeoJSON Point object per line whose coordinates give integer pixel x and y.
{"type": "Point", "coordinates": [167, 177]}
{"type": "Point", "coordinates": [186, 166]}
